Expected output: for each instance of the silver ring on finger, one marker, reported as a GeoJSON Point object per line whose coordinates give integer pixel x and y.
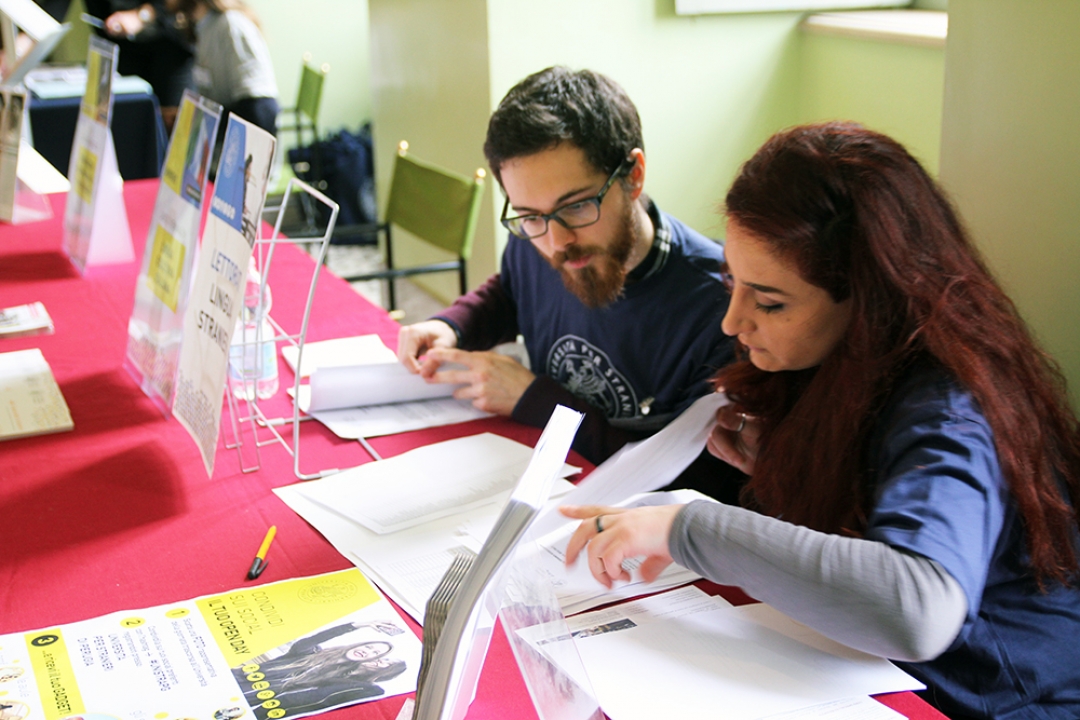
{"type": "Point", "coordinates": [742, 423]}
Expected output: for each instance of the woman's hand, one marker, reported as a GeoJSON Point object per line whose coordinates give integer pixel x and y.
{"type": "Point", "coordinates": [617, 534]}
{"type": "Point", "coordinates": [735, 438]}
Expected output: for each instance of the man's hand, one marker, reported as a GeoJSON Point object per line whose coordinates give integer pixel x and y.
{"type": "Point", "coordinates": [492, 381]}
{"type": "Point", "coordinates": [415, 340]}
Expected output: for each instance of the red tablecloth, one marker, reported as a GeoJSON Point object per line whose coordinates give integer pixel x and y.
{"type": "Point", "coordinates": [119, 513]}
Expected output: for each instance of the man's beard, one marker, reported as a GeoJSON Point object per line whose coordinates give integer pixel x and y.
{"type": "Point", "coordinates": [601, 282]}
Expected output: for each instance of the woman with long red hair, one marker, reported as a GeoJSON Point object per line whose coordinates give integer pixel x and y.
{"type": "Point", "coordinates": [913, 462]}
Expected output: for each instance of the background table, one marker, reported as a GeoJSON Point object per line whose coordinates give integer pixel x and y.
{"type": "Point", "coordinates": [138, 132]}
{"type": "Point", "coordinates": [119, 513]}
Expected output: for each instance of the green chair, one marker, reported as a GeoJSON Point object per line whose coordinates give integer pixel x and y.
{"type": "Point", "coordinates": [438, 207]}
{"type": "Point", "coordinates": [302, 121]}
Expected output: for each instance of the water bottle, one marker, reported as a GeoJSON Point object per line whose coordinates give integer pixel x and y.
{"type": "Point", "coordinates": [253, 369]}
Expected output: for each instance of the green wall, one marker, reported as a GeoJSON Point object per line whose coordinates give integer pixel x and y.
{"type": "Point", "coordinates": [334, 32]}
{"type": "Point", "coordinates": [429, 79]}
{"type": "Point", "coordinates": [1011, 155]}
{"type": "Point", "coordinates": [710, 89]}
{"type": "Point", "coordinates": [891, 87]}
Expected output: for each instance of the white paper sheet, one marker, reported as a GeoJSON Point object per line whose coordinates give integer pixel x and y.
{"type": "Point", "coordinates": [333, 388]}
{"type": "Point", "coordinates": [340, 352]}
{"type": "Point", "coordinates": [376, 420]}
{"type": "Point", "coordinates": [408, 564]}
{"type": "Point", "coordinates": [747, 662]}
{"type": "Point", "coordinates": [427, 483]}
{"type": "Point", "coordinates": [858, 708]}
{"type": "Point", "coordinates": [647, 465]}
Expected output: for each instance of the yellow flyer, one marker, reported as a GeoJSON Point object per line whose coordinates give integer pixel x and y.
{"type": "Point", "coordinates": [283, 650]}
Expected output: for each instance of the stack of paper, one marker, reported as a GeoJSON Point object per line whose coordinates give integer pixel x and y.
{"type": "Point", "coordinates": [714, 660]}
{"type": "Point", "coordinates": [30, 399]}
{"type": "Point", "coordinates": [340, 352]}
{"type": "Point", "coordinates": [358, 389]}
{"type": "Point", "coordinates": [403, 520]}
{"type": "Point", "coordinates": [21, 320]}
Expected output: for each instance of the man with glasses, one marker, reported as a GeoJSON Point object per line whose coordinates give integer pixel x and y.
{"type": "Point", "coordinates": [618, 303]}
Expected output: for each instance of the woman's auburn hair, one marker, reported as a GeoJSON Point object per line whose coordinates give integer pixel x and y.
{"type": "Point", "coordinates": [859, 217]}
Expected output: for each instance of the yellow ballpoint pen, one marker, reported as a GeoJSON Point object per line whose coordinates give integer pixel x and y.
{"type": "Point", "coordinates": [259, 563]}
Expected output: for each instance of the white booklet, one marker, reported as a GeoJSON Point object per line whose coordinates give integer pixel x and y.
{"type": "Point", "coordinates": [376, 396]}
{"type": "Point", "coordinates": [31, 319]}
{"type": "Point", "coordinates": [31, 401]}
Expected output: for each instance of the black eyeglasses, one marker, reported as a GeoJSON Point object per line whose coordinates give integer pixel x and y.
{"type": "Point", "coordinates": [578, 214]}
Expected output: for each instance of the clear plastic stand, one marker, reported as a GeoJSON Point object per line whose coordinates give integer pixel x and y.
{"type": "Point", "coordinates": [543, 645]}
{"type": "Point", "coordinates": [251, 428]}
{"type": "Point", "coordinates": [29, 205]}
{"type": "Point", "coordinates": [110, 233]}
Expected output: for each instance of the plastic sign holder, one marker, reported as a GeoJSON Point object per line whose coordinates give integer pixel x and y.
{"type": "Point", "coordinates": [25, 176]}
{"type": "Point", "coordinates": [96, 230]}
{"type": "Point", "coordinates": [217, 292]}
{"type": "Point", "coordinates": [163, 286]}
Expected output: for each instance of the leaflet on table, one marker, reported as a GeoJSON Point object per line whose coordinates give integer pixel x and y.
{"type": "Point", "coordinates": [339, 352]}
{"type": "Point", "coordinates": [283, 650]}
{"type": "Point", "coordinates": [646, 465]}
{"type": "Point", "coordinates": [96, 230]}
{"type": "Point", "coordinates": [408, 563]}
{"type": "Point", "coordinates": [164, 281]}
{"type": "Point", "coordinates": [31, 319]}
{"type": "Point", "coordinates": [30, 400]}
{"type": "Point", "coordinates": [698, 649]}
{"type": "Point", "coordinates": [217, 294]}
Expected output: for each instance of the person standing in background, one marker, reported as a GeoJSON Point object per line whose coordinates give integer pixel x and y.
{"type": "Point", "coordinates": [232, 61]}
{"type": "Point", "coordinates": [151, 47]}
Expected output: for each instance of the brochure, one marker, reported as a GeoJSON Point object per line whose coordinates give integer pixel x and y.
{"type": "Point", "coordinates": [30, 400]}
{"type": "Point", "coordinates": [31, 319]}
{"type": "Point", "coordinates": [283, 650]}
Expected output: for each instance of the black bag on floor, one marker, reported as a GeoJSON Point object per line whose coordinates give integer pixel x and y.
{"type": "Point", "coordinates": [341, 166]}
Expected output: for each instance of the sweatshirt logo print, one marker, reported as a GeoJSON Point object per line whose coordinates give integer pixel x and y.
{"type": "Point", "coordinates": [587, 372]}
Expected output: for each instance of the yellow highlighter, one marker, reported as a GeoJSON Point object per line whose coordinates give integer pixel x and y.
{"type": "Point", "coordinates": [259, 563]}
